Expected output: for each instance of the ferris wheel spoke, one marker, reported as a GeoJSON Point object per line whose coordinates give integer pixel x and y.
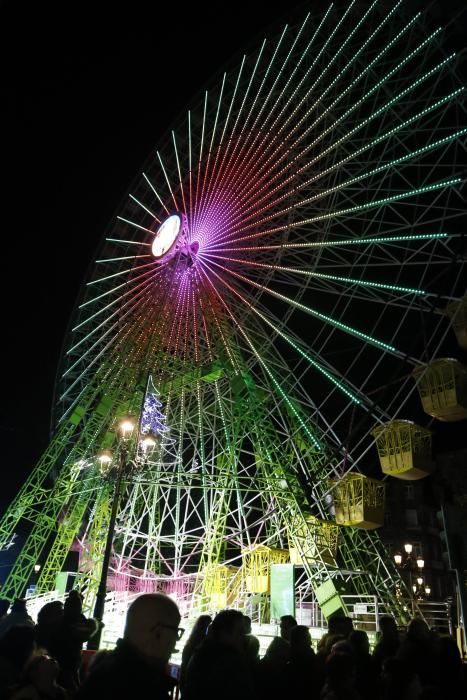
{"type": "Point", "coordinates": [233, 163]}
{"type": "Point", "coordinates": [358, 240]}
{"type": "Point", "coordinates": [383, 81]}
{"type": "Point", "coordinates": [237, 141]}
{"type": "Point", "coordinates": [204, 325]}
{"type": "Point", "coordinates": [174, 334]}
{"type": "Point", "coordinates": [153, 189]}
{"type": "Point", "coordinates": [190, 167]}
{"type": "Point", "coordinates": [180, 181]}
{"type": "Point", "coordinates": [317, 314]}
{"type": "Point", "coordinates": [112, 303]}
{"type": "Point", "coordinates": [217, 184]}
{"type": "Point", "coordinates": [200, 157]}
{"type": "Point", "coordinates": [268, 372]}
{"type": "Point", "coordinates": [143, 206]}
{"type": "Point", "coordinates": [336, 27]}
{"type": "Point", "coordinates": [216, 171]}
{"type": "Point", "coordinates": [99, 280]}
{"type": "Point", "coordinates": [348, 210]}
{"type": "Point", "coordinates": [281, 175]}
{"type": "Point", "coordinates": [247, 146]}
{"type": "Point", "coordinates": [135, 225]}
{"type": "Point", "coordinates": [210, 313]}
{"type": "Point", "coordinates": [120, 241]}
{"type": "Point", "coordinates": [376, 113]}
{"type": "Point", "coordinates": [402, 298]}
{"type": "Point", "coordinates": [122, 332]}
{"type": "Point", "coordinates": [336, 379]}
{"type": "Point", "coordinates": [164, 172]}
{"type": "Point", "coordinates": [133, 302]}
{"type": "Point", "coordinates": [124, 257]}
{"type": "Point", "coordinates": [194, 325]}
{"type": "Point", "coordinates": [328, 429]}
{"type": "Point", "coordinates": [277, 157]}
{"type": "Point", "coordinates": [113, 290]}
{"type": "Point", "coordinates": [342, 187]}
{"type": "Point", "coordinates": [318, 275]}
{"type": "Point", "coordinates": [114, 326]}
{"type": "Point", "coordinates": [206, 173]}
{"type": "Point", "coordinates": [395, 302]}
{"type": "Point", "coordinates": [310, 90]}
{"type": "Point", "coordinates": [263, 147]}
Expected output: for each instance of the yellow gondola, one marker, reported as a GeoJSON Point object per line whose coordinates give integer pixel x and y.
{"type": "Point", "coordinates": [358, 501]}
{"type": "Point", "coordinates": [442, 386]}
{"type": "Point", "coordinates": [256, 566]}
{"type": "Point", "coordinates": [318, 541]}
{"type": "Point", "coordinates": [404, 449]}
{"type": "Point", "coordinates": [219, 586]}
{"type": "Point", "coordinates": [457, 312]}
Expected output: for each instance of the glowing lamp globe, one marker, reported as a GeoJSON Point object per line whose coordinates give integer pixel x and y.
{"type": "Point", "coordinates": [126, 427]}
{"type": "Point", "coordinates": [105, 460]}
{"type": "Point", "coordinates": [149, 441]}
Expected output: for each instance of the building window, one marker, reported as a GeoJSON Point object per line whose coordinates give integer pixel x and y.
{"type": "Point", "coordinates": [417, 549]}
{"type": "Point", "coordinates": [409, 492]}
{"type": "Point", "coordinates": [411, 517]}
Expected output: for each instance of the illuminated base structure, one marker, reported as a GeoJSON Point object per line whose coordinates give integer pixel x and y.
{"type": "Point", "coordinates": [260, 303]}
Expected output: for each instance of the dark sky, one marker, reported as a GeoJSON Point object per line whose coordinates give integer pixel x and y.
{"type": "Point", "coordinates": [86, 92]}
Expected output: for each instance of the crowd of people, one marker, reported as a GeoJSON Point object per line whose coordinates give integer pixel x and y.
{"type": "Point", "coordinates": [220, 659]}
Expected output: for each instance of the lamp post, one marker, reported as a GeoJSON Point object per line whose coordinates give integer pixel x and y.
{"type": "Point", "coordinates": [33, 580]}
{"type": "Point", "coordinates": [406, 561]}
{"type": "Point", "coordinates": [122, 467]}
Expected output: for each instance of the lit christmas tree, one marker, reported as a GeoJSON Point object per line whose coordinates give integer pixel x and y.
{"type": "Point", "coordinates": [152, 419]}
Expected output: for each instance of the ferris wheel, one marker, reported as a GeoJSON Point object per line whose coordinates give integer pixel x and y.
{"type": "Point", "coordinates": [279, 269]}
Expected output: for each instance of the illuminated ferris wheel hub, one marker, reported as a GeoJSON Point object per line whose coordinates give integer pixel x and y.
{"type": "Point", "coordinates": [171, 237]}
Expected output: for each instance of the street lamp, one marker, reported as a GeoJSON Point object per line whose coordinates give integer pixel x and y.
{"type": "Point", "coordinates": [117, 469]}
{"type": "Point", "coordinates": [407, 562]}
{"type": "Point", "coordinates": [32, 583]}
{"type": "Point", "coordinates": [419, 590]}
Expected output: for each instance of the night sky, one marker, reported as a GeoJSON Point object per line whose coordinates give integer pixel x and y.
{"type": "Point", "coordinates": [86, 95]}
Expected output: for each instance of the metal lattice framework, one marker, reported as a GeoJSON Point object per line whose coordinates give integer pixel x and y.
{"type": "Point", "coordinates": [319, 182]}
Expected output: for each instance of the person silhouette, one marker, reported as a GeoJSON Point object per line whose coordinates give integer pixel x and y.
{"type": "Point", "coordinates": [137, 667]}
